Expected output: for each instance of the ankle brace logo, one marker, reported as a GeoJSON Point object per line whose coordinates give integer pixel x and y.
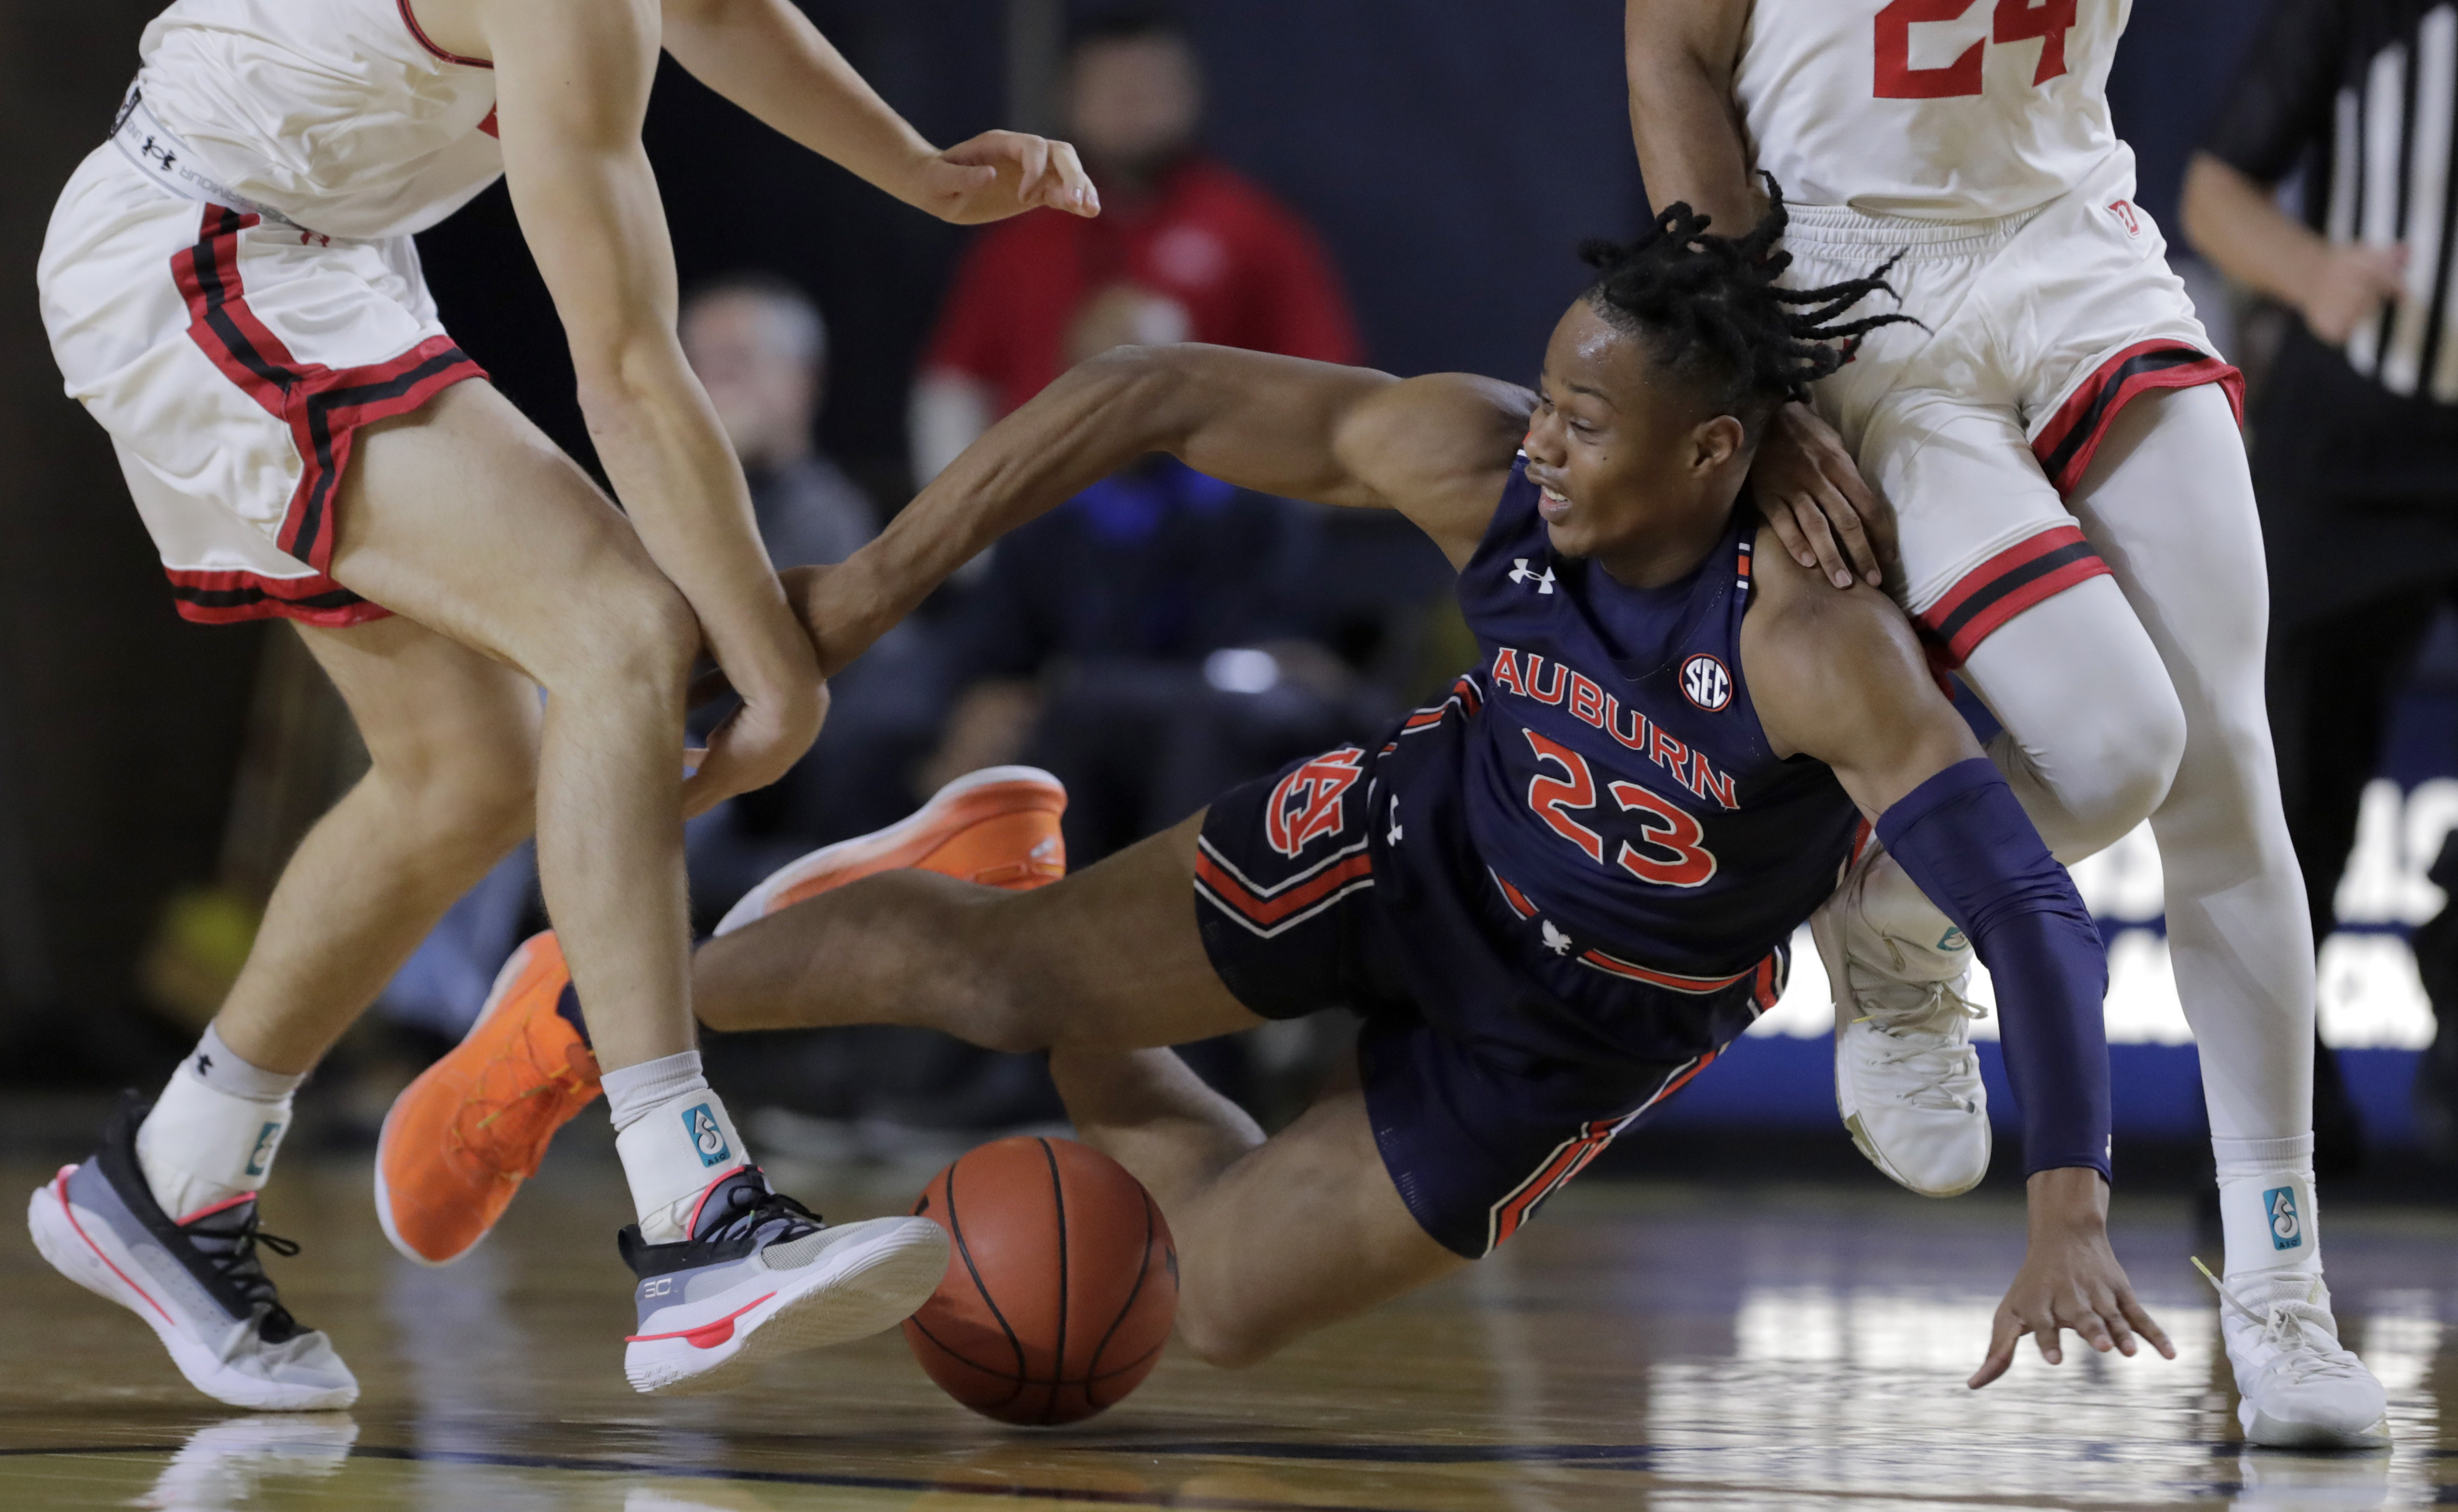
{"type": "Point", "coordinates": [263, 1155]}
{"type": "Point", "coordinates": [706, 1136]}
{"type": "Point", "coordinates": [2286, 1226]}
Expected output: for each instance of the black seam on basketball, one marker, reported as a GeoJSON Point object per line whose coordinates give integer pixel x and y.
{"type": "Point", "coordinates": [1058, 1197]}
{"type": "Point", "coordinates": [956, 1228]}
{"type": "Point", "coordinates": [1092, 1366]}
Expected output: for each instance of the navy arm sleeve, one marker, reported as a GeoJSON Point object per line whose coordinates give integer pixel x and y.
{"type": "Point", "coordinates": [1968, 844]}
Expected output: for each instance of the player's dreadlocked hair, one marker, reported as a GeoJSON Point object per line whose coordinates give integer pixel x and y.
{"type": "Point", "coordinates": [1712, 314]}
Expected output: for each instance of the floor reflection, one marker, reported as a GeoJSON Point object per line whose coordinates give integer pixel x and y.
{"type": "Point", "coordinates": [1649, 1347]}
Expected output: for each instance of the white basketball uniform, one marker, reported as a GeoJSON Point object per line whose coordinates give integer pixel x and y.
{"type": "Point", "coordinates": [1971, 139]}
{"type": "Point", "coordinates": [230, 286]}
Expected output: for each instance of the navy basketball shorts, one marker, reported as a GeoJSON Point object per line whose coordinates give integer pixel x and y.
{"type": "Point", "coordinates": [1295, 902]}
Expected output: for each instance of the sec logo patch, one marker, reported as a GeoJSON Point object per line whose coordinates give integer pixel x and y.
{"type": "Point", "coordinates": [1706, 683]}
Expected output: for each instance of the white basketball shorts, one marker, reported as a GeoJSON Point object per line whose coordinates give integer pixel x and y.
{"type": "Point", "coordinates": [2036, 330]}
{"type": "Point", "coordinates": [233, 360]}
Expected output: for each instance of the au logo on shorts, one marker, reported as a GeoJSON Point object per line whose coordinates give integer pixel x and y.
{"type": "Point", "coordinates": [1306, 803]}
{"type": "Point", "coordinates": [707, 1137]}
{"type": "Point", "coordinates": [1706, 683]}
{"type": "Point", "coordinates": [2287, 1224]}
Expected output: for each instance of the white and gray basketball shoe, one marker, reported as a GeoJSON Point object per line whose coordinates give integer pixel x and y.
{"type": "Point", "coordinates": [2299, 1388]}
{"type": "Point", "coordinates": [1907, 1078]}
{"type": "Point", "coordinates": [762, 1276]}
{"type": "Point", "coordinates": [198, 1284]}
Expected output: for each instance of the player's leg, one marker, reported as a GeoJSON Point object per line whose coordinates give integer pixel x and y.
{"type": "Point", "coordinates": [1276, 1237]}
{"type": "Point", "coordinates": [452, 739]}
{"type": "Point", "coordinates": [2168, 502]}
{"type": "Point", "coordinates": [1999, 574]}
{"type": "Point", "coordinates": [1107, 957]}
{"type": "Point", "coordinates": [463, 517]}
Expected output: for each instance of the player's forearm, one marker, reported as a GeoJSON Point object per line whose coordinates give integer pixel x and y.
{"type": "Point", "coordinates": [1964, 839]}
{"type": "Point", "coordinates": [766, 56]}
{"type": "Point", "coordinates": [1092, 422]}
{"type": "Point", "coordinates": [679, 482]}
{"type": "Point", "coordinates": [2234, 223]}
{"type": "Point", "coordinates": [1678, 59]}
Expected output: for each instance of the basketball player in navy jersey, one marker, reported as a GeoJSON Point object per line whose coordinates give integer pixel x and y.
{"type": "Point", "coordinates": [1555, 895]}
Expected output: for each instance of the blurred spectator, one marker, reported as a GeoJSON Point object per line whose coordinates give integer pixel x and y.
{"type": "Point", "coordinates": [1219, 258]}
{"type": "Point", "coordinates": [761, 349]}
{"type": "Point", "coordinates": [2356, 429]}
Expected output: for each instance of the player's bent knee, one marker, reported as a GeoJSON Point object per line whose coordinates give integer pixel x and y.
{"type": "Point", "coordinates": [634, 633]}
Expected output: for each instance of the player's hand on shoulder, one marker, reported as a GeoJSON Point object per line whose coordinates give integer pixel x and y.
{"type": "Point", "coordinates": [1813, 495]}
{"type": "Point", "coordinates": [2069, 1280]}
{"type": "Point", "coordinates": [1001, 174]}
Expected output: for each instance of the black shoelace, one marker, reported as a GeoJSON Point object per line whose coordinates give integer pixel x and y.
{"type": "Point", "coordinates": [750, 1206]}
{"type": "Point", "coordinates": [231, 1250]}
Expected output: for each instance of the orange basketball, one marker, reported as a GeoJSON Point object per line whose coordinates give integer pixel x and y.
{"type": "Point", "coordinates": [1061, 1285]}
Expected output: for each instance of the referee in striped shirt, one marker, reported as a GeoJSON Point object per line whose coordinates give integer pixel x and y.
{"type": "Point", "coordinates": [2355, 461]}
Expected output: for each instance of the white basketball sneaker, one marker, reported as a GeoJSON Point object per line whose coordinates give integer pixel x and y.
{"type": "Point", "coordinates": [197, 1281]}
{"type": "Point", "coordinates": [1907, 1078]}
{"type": "Point", "coordinates": [762, 1276]}
{"type": "Point", "coordinates": [2299, 1387]}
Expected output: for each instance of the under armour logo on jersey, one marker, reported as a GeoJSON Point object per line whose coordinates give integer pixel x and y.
{"type": "Point", "coordinates": [1522, 573]}
{"type": "Point", "coordinates": [2126, 216]}
{"type": "Point", "coordinates": [1393, 838]}
{"type": "Point", "coordinates": [706, 1136]}
{"type": "Point", "coordinates": [1706, 683]}
{"type": "Point", "coordinates": [165, 153]}
{"type": "Point", "coordinates": [1555, 941]}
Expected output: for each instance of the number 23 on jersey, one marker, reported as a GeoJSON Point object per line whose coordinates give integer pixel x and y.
{"type": "Point", "coordinates": [1668, 852]}
{"type": "Point", "coordinates": [2044, 21]}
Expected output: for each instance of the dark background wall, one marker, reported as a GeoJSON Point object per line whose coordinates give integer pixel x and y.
{"type": "Point", "coordinates": [1453, 153]}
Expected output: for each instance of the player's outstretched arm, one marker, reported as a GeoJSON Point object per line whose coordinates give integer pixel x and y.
{"type": "Point", "coordinates": [1436, 449]}
{"type": "Point", "coordinates": [1839, 677]}
{"type": "Point", "coordinates": [571, 87]}
{"type": "Point", "coordinates": [766, 56]}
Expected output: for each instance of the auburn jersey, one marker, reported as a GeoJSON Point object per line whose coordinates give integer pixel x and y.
{"type": "Point", "coordinates": [1602, 773]}
{"type": "Point", "coordinates": [1936, 110]}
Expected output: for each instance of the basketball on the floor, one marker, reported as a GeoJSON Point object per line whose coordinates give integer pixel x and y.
{"type": "Point", "coordinates": [1061, 1284]}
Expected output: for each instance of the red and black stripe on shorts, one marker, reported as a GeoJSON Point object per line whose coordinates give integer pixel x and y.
{"type": "Point", "coordinates": [323, 406]}
{"type": "Point", "coordinates": [2042, 565]}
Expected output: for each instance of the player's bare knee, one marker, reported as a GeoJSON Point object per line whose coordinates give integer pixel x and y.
{"type": "Point", "coordinates": [637, 636]}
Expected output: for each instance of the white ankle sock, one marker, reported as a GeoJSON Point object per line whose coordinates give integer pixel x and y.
{"type": "Point", "coordinates": [213, 1133]}
{"type": "Point", "coordinates": [675, 1137]}
{"type": "Point", "coordinates": [2266, 1204]}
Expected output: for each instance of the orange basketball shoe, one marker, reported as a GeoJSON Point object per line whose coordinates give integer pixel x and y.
{"type": "Point", "coordinates": [998, 826]}
{"type": "Point", "coordinates": [461, 1138]}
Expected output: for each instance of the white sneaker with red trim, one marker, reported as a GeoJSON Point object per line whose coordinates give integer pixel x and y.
{"type": "Point", "coordinates": [762, 1277]}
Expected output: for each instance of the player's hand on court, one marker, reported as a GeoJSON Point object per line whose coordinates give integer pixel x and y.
{"type": "Point", "coordinates": [1001, 174]}
{"type": "Point", "coordinates": [1812, 492]}
{"type": "Point", "coordinates": [2353, 284]}
{"type": "Point", "coordinates": [2069, 1280]}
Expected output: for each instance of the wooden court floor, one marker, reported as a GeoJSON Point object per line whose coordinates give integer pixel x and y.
{"type": "Point", "coordinates": [1641, 1346]}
